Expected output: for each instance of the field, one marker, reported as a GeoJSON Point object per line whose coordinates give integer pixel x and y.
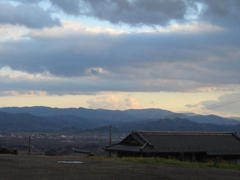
{"type": "Point", "coordinates": [42, 167]}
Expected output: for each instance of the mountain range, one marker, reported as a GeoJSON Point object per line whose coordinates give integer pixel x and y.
{"type": "Point", "coordinates": [72, 120]}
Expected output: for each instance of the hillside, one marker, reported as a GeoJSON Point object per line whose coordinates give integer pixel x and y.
{"type": "Point", "coordinates": [212, 119]}
{"type": "Point", "coordinates": [143, 114]}
{"type": "Point", "coordinates": [177, 124]}
{"type": "Point", "coordinates": [71, 120]}
{"type": "Point", "coordinates": [23, 122]}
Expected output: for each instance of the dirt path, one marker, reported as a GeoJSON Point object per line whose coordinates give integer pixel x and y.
{"type": "Point", "coordinates": [39, 168]}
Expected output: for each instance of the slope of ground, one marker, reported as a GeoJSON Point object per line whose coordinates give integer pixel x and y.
{"type": "Point", "coordinates": [37, 167]}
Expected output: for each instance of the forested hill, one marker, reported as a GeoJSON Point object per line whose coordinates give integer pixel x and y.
{"type": "Point", "coordinates": [45, 119]}
{"type": "Point", "coordinates": [176, 124]}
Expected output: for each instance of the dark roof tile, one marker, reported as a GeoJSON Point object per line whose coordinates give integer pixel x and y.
{"type": "Point", "coordinates": [165, 142]}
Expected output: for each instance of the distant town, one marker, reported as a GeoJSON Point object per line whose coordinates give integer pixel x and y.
{"type": "Point", "coordinates": [57, 144]}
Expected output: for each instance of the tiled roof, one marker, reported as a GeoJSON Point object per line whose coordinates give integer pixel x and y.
{"type": "Point", "coordinates": [119, 147]}
{"type": "Point", "coordinates": [210, 143]}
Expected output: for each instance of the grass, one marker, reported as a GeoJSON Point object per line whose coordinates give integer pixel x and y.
{"type": "Point", "coordinates": [158, 161]}
{"type": "Point", "coordinates": [163, 161]}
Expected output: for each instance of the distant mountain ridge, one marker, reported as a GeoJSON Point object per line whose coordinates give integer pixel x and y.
{"type": "Point", "coordinates": [111, 116]}
{"type": "Point", "coordinates": [87, 113]}
{"type": "Point", "coordinates": [45, 119]}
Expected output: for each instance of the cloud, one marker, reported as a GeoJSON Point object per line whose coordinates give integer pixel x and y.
{"type": "Point", "coordinates": [28, 1]}
{"type": "Point", "coordinates": [221, 12]}
{"type": "Point", "coordinates": [131, 103]}
{"type": "Point", "coordinates": [187, 56]}
{"type": "Point", "coordinates": [9, 31]}
{"type": "Point", "coordinates": [95, 59]}
{"type": "Point", "coordinates": [155, 12]}
{"type": "Point", "coordinates": [112, 102]}
{"type": "Point", "coordinates": [31, 16]}
{"type": "Point", "coordinates": [138, 12]}
{"type": "Point", "coordinates": [193, 26]}
{"type": "Point", "coordinates": [22, 93]}
{"type": "Point", "coordinates": [70, 6]}
{"type": "Point", "coordinates": [226, 105]}
{"type": "Point", "coordinates": [192, 105]}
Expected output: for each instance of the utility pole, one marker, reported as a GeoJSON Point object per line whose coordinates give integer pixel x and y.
{"type": "Point", "coordinates": [110, 138]}
{"type": "Point", "coordinates": [29, 145]}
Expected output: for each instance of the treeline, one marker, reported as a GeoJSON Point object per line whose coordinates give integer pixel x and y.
{"type": "Point", "coordinates": [4, 150]}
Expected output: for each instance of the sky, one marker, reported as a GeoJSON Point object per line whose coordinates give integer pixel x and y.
{"type": "Point", "coordinates": [177, 55]}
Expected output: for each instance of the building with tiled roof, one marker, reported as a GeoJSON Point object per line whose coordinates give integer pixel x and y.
{"type": "Point", "coordinates": [187, 146]}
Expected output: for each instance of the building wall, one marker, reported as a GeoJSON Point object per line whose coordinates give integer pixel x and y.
{"type": "Point", "coordinates": [189, 157]}
{"type": "Point", "coordinates": [234, 161]}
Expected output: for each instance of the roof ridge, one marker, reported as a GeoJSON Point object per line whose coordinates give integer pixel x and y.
{"type": "Point", "coordinates": [182, 132]}
{"type": "Point", "coordinates": [142, 137]}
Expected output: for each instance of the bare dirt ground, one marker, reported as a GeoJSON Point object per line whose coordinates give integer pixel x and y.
{"type": "Point", "coordinates": [40, 167]}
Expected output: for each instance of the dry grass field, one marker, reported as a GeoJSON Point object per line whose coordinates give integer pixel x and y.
{"type": "Point", "coordinates": [42, 167]}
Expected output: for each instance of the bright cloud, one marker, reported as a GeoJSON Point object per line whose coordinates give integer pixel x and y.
{"type": "Point", "coordinates": [192, 27]}
{"type": "Point", "coordinates": [112, 102]}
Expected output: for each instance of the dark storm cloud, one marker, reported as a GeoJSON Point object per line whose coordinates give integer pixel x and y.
{"type": "Point", "coordinates": [225, 13]}
{"type": "Point", "coordinates": [155, 12]}
{"type": "Point", "coordinates": [29, 1]}
{"type": "Point", "coordinates": [138, 12]}
{"type": "Point", "coordinates": [25, 14]}
{"type": "Point", "coordinates": [70, 6]}
{"type": "Point", "coordinates": [222, 12]}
